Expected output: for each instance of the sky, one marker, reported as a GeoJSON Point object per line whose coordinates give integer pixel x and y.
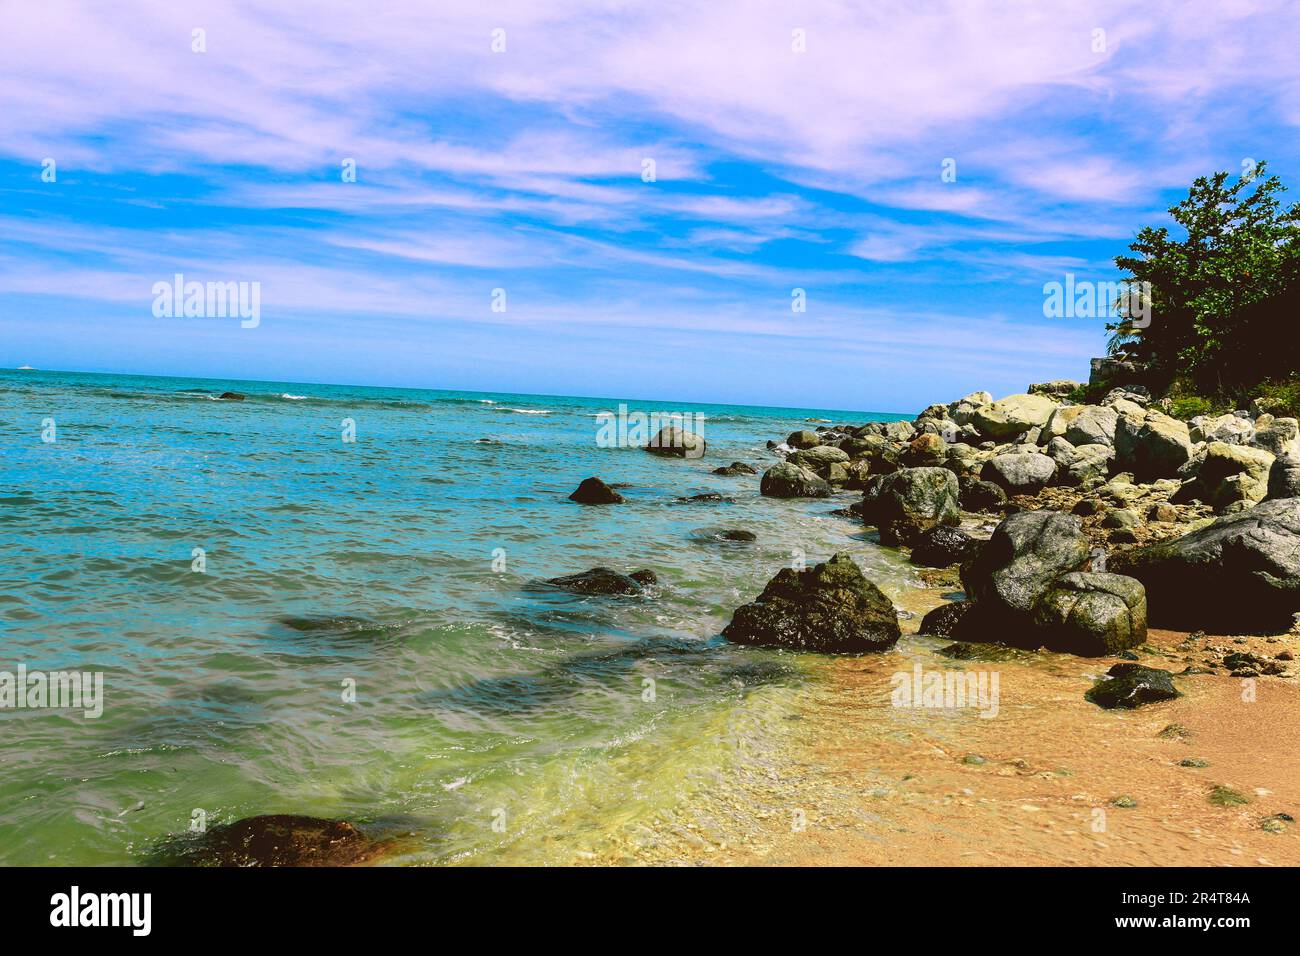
{"type": "Point", "coordinates": [615, 199]}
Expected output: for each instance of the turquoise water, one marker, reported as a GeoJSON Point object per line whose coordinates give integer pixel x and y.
{"type": "Point", "coordinates": [493, 721]}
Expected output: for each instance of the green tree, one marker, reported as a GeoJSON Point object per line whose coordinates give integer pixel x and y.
{"type": "Point", "coordinates": [1223, 296]}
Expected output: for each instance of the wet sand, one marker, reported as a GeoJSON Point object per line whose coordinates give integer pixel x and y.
{"type": "Point", "coordinates": [845, 778]}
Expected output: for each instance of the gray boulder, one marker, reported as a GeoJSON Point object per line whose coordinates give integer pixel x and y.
{"type": "Point", "coordinates": [805, 438]}
{"type": "Point", "coordinates": [830, 608]}
{"type": "Point", "coordinates": [1020, 473]}
{"type": "Point", "coordinates": [676, 442]}
{"type": "Point", "coordinates": [1010, 417]}
{"type": "Point", "coordinates": [1151, 446]}
{"type": "Point", "coordinates": [785, 480]}
{"type": "Point", "coordinates": [1284, 477]}
{"type": "Point", "coordinates": [1091, 614]}
{"type": "Point", "coordinates": [909, 501]}
{"type": "Point", "coordinates": [1017, 565]}
{"type": "Point", "coordinates": [1239, 573]}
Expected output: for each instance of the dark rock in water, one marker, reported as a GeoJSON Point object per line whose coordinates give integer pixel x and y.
{"type": "Point", "coordinates": [230, 397]}
{"type": "Point", "coordinates": [830, 608]}
{"type": "Point", "coordinates": [942, 621]}
{"type": "Point", "coordinates": [790, 481]}
{"type": "Point", "coordinates": [980, 652]}
{"type": "Point", "coordinates": [981, 496]}
{"type": "Point", "coordinates": [1240, 573]}
{"type": "Point", "coordinates": [706, 497]}
{"type": "Point", "coordinates": [736, 468]}
{"type": "Point", "coordinates": [593, 491]}
{"type": "Point", "coordinates": [604, 581]}
{"type": "Point", "coordinates": [677, 442]}
{"type": "Point", "coordinates": [1091, 614]}
{"type": "Point", "coordinates": [905, 503]}
{"type": "Point", "coordinates": [284, 840]}
{"type": "Point", "coordinates": [312, 623]}
{"type": "Point", "coordinates": [940, 546]}
{"type": "Point", "coordinates": [738, 534]}
{"type": "Point", "coordinates": [1132, 685]}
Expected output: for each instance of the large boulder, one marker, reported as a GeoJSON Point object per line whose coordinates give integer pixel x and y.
{"type": "Point", "coordinates": [829, 608]}
{"type": "Point", "coordinates": [1152, 445]}
{"type": "Point", "coordinates": [819, 460]}
{"type": "Point", "coordinates": [786, 480]}
{"type": "Point", "coordinates": [1281, 436]}
{"type": "Point", "coordinates": [1229, 429]}
{"type": "Point", "coordinates": [604, 581]}
{"type": "Point", "coordinates": [1017, 565]}
{"type": "Point", "coordinates": [1239, 573]}
{"type": "Point", "coordinates": [925, 450]}
{"type": "Point", "coordinates": [1231, 474]}
{"type": "Point", "coordinates": [804, 438]}
{"type": "Point", "coordinates": [909, 501]}
{"type": "Point", "coordinates": [1011, 417]}
{"type": "Point", "coordinates": [673, 441]}
{"type": "Point", "coordinates": [1090, 614]}
{"type": "Point", "coordinates": [1085, 465]}
{"type": "Point", "coordinates": [1284, 477]}
{"type": "Point", "coordinates": [593, 491]}
{"type": "Point", "coordinates": [963, 410]}
{"type": "Point", "coordinates": [1019, 473]}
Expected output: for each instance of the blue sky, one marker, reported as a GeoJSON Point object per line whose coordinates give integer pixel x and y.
{"type": "Point", "coordinates": [522, 170]}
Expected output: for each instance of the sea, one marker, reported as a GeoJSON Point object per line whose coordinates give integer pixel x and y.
{"type": "Point", "coordinates": [329, 600]}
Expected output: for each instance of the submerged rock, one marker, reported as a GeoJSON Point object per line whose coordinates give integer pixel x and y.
{"type": "Point", "coordinates": [230, 397]}
{"type": "Point", "coordinates": [593, 491]}
{"type": "Point", "coordinates": [604, 581]}
{"type": "Point", "coordinates": [737, 534]}
{"type": "Point", "coordinates": [1132, 685]}
{"type": "Point", "coordinates": [1241, 572]}
{"type": "Point", "coordinates": [830, 608]}
{"type": "Point", "coordinates": [284, 840]}
{"type": "Point", "coordinates": [736, 468]}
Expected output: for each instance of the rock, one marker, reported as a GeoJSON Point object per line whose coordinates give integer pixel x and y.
{"type": "Point", "coordinates": [1115, 371]}
{"type": "Point", "coordinates": [909, 501]}
{"type": "Point", "coordinates": [1026, 553]}
{"type": "Point", "coordinates": [1087, 507]}
{"type": "Point", "coordinates": [675, 442]}
{"type": "Point", "coordinates": [1014, 415]}
{"type": "Point", "coordinates": [926, 450]}
{"type": "Point", "coordinates": [1058, 389]}
{"type": "Point", "coordinates": [1280, 436]}
{"type": "Point", "coordinates": [941, 546]}
{"type": "Point", "coordinates": [1121, 518]}
{"type": "Point", "coordinates": [1231, 473]}
{"type": "Point", "coordinates": [1019, 473]}
{"type": "Point", "coordinates": [943, 620]}
{"type": "Point", "coordinates": [830, 608]}
{"type": "Point", "coordinates": [982, 496]}
{"type": "Point", "coordinates": [707, 497]}
{"type": "Point", "coordinates": [898, 431]}
{"type": "Point", "coordinates": [856, 474]}
{"type": "Point", "coordinates": [819, 460]}
{"type": "Point", "coordinates": [1132, 685]}
{"type": "Point", "coordinates": [604, 581]}
{"type": "Point", "coordinates": [1240, 572]}
{"type": "Point", "coordinates": [737, 534]}
{"type": "Point", "coordinates": [230, 397]}
{"type": "Point", "coordinates": [804, 438]}
{"type": "Point", "coordinates": [1091, 614]}
{"type": "Point", "coordinates": [1086, 466]}
{"type": "Point", "coordinates": [593, 491]}
{"type": "Point", "coordinates": [736, 468]}
{"type": "Point", "coordinates": [962, 411]}
{"type": "Point", "coordinates": [283, 840]}
{"type": "Point", "coordinates": [785, 480]}
{"type": "Point", "coordinates": [1161, 511]}
{"type": "Point", "coordinates": [1228, 429]}
{"type": "Point", "coordinates": [1095, 425]}
{"type": "Point", "coordinates": [1153, 446]}
{"type": "Point", "coordinates": [1284, 478]}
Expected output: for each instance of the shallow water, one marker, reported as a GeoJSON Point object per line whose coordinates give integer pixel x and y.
{"type": "Point", "coordinates": [493, 721]}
